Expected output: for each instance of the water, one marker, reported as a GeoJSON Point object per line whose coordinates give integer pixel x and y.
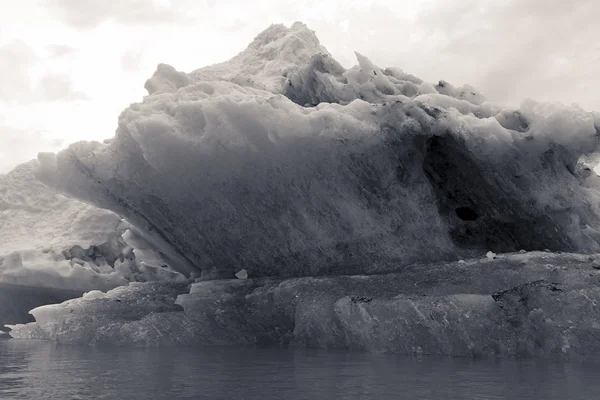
{"type": "Point", "coordinates": [37, 370]}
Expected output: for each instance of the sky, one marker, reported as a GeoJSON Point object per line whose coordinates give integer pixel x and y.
{"type": "Point", "coordinates": [69, 67]}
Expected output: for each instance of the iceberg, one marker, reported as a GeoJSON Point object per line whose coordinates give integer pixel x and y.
{"type": "Point", "coordinates": [48, 240]}
{"type": "Point", "coordinates": [17, 300]}
{"type": "Point", "coordinates": [280, 198]}
{"type": "Point", "coordinates": [284, 163]}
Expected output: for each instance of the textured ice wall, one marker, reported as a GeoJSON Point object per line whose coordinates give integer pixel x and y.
{"type": "Point", "coordinates": [538, 304]}
{"type": "Point", "coordinates": [282, 162]}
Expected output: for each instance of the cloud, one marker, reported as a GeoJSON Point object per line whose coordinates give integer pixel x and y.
{"type": "Point", "coordinates": [60, 50]}
{"type": "Point", "coordinates": [18, 83]}
{"type": "Point", "coordinates": [55, 87]}
{"type": "Point", "coordinates": [87, 14]}
{"type": "Point", "coordinates": [132, 60]}
{"type": "Point", "coordinates": [16, 60]}
{"type": "Point", "coordinates": [519, 48]}
{"type": "Point", "coordinates": [20, 145]}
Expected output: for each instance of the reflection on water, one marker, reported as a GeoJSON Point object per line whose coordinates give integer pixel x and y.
{"type": "Point", "coordinates": [36, 370]}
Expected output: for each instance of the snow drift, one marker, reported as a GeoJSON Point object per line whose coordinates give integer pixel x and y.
{"type": "Point", "coordinates": [281, 164]}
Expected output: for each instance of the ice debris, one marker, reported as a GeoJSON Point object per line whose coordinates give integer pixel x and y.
{"type": "Point", "coordinates": [242, 274]}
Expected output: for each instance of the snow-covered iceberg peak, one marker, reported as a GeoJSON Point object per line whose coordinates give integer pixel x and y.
{"type": "Point", "coordinates": [264, 64]}
{"type": "Point", "coordinates": [282, 162]}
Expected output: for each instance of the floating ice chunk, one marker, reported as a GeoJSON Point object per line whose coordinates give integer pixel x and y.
{"type": "Point", "coordinates": [242, 274]}
{"type": "Point", "coordinates": [17, 300]}
{"type": "Point", "coordinates": [135, 315]}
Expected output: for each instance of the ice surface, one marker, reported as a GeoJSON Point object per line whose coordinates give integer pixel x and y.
{"type": "Point", "coordinates": [538, 303]}
{"type": "Point", "coordinates": [282, 162]}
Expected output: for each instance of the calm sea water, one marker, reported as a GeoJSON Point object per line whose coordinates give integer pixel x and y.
{"type": "Point", "coordinates": [44, 371]}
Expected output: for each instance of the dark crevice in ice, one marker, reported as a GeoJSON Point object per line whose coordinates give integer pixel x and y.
{"type": "Point", "coordinates": [502, 222]}
{"type": "Point", "coordinates": [466, 213]}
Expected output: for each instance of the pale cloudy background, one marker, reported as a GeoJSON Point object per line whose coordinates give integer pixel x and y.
{"type": "Point", "coordinates": [68, 67]}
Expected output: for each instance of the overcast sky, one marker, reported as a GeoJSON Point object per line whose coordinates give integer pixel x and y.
{"type": "Point", "coordinates": [68, 67]}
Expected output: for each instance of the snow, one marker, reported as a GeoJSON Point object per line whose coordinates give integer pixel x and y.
{"type": "Point", "coordinates": [337, 198]}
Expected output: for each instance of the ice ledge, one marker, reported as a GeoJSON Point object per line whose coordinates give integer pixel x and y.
{"type": "Point", "coordinates": [534, 304]}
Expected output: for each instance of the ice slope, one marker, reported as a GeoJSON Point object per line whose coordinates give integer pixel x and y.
{"type": "Point", "coordinates": [282, 162]}
{"type": "Point", "coordinates": [537, 304]}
